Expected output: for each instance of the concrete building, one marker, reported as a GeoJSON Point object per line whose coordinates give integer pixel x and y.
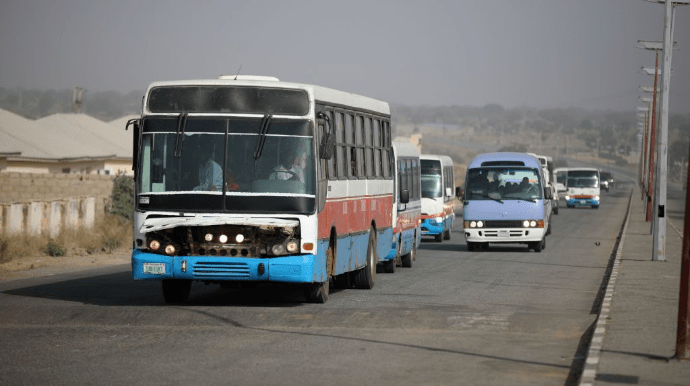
{"type": "Point", "coordinates": [64, 143]}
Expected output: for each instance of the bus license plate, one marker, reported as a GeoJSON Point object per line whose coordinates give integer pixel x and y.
{"type": "Point", "coordinates": [583, 201]}
{"type": "Point", "coordinates": [154, 268]}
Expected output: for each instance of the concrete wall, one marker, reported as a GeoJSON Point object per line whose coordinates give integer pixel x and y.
{"type": "Point", "coordinates": [48, 203]}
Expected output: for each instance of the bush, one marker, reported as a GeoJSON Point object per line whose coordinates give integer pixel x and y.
{"type": "Point", "coordinates": [54, 250]}
{"type": "Point", "coordinates": [122, 197]}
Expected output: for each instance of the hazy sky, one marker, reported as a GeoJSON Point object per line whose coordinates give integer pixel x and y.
{"type": "Point", "coordinates": [541, 53]}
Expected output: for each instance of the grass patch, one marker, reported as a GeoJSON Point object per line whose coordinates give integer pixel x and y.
{"type": "Point", "coordinates": [109, 234]}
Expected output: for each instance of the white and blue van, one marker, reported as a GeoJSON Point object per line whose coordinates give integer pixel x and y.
{"type": "Point", "coordinates": [583, 188]}
{"type": "Point", "coordinates": [506, 200]}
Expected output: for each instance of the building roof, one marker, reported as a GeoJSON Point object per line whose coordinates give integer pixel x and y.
{"type": "Point", "coordinates": [63, 136]}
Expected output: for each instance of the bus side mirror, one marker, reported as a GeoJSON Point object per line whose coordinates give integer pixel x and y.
{"type": "Point", "coordinates": [459, 192]}
{"type": "Point", "coordinates": [327, 146]}
{"type": "Point", "coordinates": [404, 196]}
{"type": "Point", "coordinates": [547, 193]}
{"type": "Point", "coordinates": [135, 141]}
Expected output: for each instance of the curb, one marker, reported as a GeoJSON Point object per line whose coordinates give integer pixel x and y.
{"type": "Point", "coordinates": [589, 371]}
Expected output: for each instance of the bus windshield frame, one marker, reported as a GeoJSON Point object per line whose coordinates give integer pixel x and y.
{"type": "Point", "coordinates": [500, 183]}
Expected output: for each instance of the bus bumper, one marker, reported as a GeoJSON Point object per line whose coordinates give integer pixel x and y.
{"type": "Point", "coordinates": [582, 202]}
{"type": "Point", "coordinates": [431, 227]}
{"type": "Point", "coordinates": [504, 235]}
{"type": "Point", "coordinates": [288, 269]}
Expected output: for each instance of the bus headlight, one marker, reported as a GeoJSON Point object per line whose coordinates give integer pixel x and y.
{"type": "Point", "coordinates": [473, 224]}
{"type": "Point", "coordinates": [532, 223]}
{"type": "Point", "coordinates": [292, 247]}
{"type": "Point", "coordinates": [170, 249]}
{"type": "Point", "coordinates": [567, 197]}
{"type": "Point", "coordinates": [223, 239]}
{"type": "Point", "coordinates": [525, 224]}
{"type": "Point", "coordinates": [154, 245]}
{"type": "Point", "coordinates": [480, 224]}
{"type": "Point", "coordinates": [239, 238]}
{"type": "Point", "coordinates": [596, 198]}
{"type": "Point", "coordinates": [278, 249]}
{"type": "Point", "coordinates": [208, 237]}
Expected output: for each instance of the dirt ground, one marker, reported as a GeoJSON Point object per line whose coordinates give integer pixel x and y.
{"type": "Point", "coordinates": [48, 265]}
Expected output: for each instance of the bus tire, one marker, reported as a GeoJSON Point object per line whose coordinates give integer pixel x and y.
{"type": "Point", "coordinates": [365, 278]}
{"type": "Point", "coordinates": [539, 245]}
{"type": "Point", "coordinates": [389, 266]}
{"type": "Point", "coordinates": [317, 292]}
{"type": "Point", "coordinates": [410, 257]}
{"type": "Point", "coordinates": [176, 291]}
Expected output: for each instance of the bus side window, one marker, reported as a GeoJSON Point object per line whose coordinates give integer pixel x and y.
{"type": "Point", "coordinates": [351, 163]}
{"type": "Point", "coordinates": [378, 170]}
{"type": "Point", "coordinates": [359, 142]}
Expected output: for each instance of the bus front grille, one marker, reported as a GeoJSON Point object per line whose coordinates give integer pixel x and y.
{"type": "Point", "coordinates": [216, 269]}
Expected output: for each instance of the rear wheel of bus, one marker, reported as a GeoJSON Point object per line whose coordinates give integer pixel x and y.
{"type": "Point", "coordinates": [410, 257]}
{"type": "Point", "coordinates": [176, 291]}
{"type": "Point", "coordinates": [366, 277]}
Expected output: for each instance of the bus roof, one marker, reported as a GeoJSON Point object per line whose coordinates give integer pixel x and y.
{"type": "Point", "coordinates": [584, 168]}
{"type": "Point", "coordinates": [445, 160]}
{"type": "Point", "coordinates": [405, 149]}
{"type": "Point", "coordinates": [526, 159]}
{"type": "Point", "coordinates": [316, 93]}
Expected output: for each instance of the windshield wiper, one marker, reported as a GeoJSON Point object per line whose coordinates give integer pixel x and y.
{"type": "Point", "coordinates": [265, 122]}
{"type": "Point", "coordinates": [489, 197]}
{"type": "Point", "coordinates": [181, 125]}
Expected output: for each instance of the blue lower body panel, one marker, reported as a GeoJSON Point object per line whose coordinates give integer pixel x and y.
{"type": "Point", "coordinates": [288, 269]}
{"type": "Point", "coordinates": [582, 202]}
{"type": "Point", "coordinates": [434, 228]}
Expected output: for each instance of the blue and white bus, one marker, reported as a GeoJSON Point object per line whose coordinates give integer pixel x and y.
{"type": "Point", "coordinates": [506, 201]}
{"type": "Point", "coordinates": [438, 196]}
{"type": "Point", "coordinates": [250, 179]}
{"type": "Point", "coordinates": [407, 207]}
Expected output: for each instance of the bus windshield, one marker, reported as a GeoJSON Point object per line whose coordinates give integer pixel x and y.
{"type": "Point", "coordinates": [202, 154]}
{"type": "Point", "coordinates": [583, 179]}
{"type": "Point", "coordinates": [432, 186]}
{"type": "Point", "coordinates": [503, 183]}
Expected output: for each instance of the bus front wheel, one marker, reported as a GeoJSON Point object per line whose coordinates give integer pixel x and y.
{"type": "Point", "coordinates": [317, 292]}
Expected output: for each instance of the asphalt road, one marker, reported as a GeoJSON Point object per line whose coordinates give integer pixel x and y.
{"type": "Point", "coordinates": [507, 316]}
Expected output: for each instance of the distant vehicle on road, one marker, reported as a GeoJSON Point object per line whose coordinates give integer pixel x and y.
{"type": "Point", "coordinates": [547, 167]}
{"type": "Point", "coordinates": [606, 180]}
{"type": "Point", "coordinates": [561, 174]}
{"type": "Point", "coordinates": [407, 207]}
{"type": "Point", "coordinates": [438, 199]}
{"type": "Point", "coordinates": [506, 201]}
{"type": "Point", "coordinates": [583, 188]}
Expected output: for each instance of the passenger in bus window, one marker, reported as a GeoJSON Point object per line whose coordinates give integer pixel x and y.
{"type": "Point", "coordinates": [210, 175]}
